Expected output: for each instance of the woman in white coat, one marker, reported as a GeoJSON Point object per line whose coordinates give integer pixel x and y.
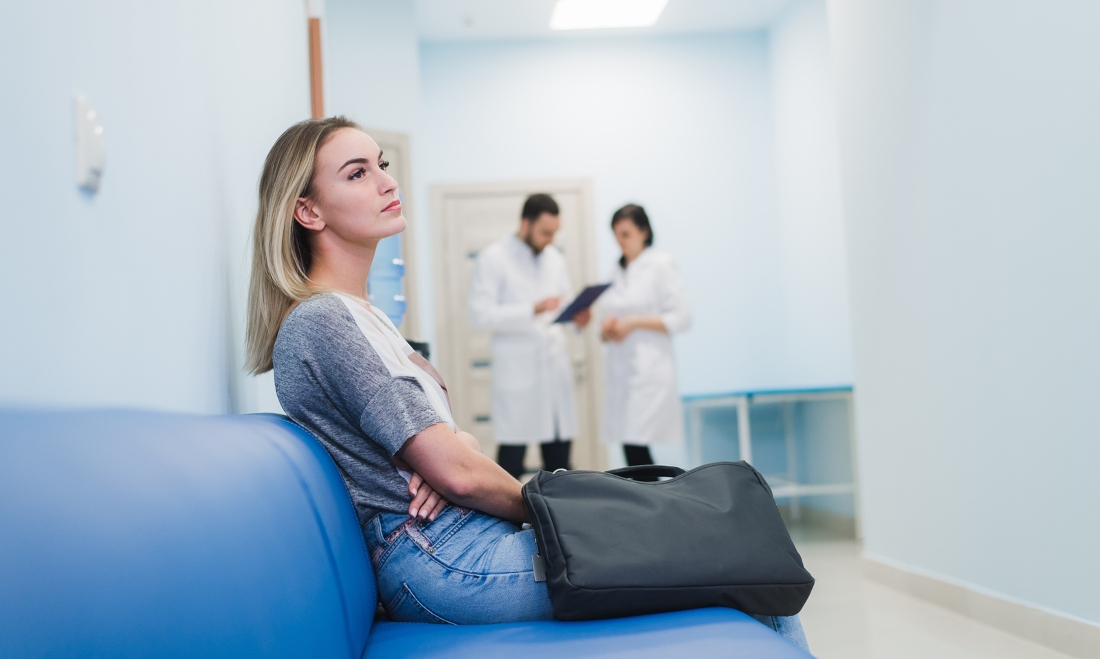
{"type": "Point", "coordinates": [644, 306]}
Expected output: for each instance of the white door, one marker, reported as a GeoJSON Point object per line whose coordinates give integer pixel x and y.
{"type": "Point", "coordinates": [468, 217]}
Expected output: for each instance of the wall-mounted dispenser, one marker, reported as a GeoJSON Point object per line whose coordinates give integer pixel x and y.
{"type": "Point", "coordinates": [90, 153]}
{"type": "Point", "coordinates": [385, 285]}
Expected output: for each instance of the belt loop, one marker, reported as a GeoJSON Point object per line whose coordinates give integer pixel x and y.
{"type": "Point", "coordinates": [376, 530]}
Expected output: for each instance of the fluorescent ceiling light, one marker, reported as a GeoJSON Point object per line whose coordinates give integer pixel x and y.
{"type": "Point", "coordinates": [589, 14]}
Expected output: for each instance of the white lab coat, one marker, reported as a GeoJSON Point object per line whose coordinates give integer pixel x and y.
{"type": "Point", "coordinates": [642, 405]}
{"type": "Point", "coordinates": [532, 378]}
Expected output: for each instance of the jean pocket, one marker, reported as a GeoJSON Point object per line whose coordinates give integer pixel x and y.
{"type": "Point", "coordinates": [405, 607]}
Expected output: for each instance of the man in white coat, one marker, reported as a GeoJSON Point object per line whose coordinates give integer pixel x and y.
{"type": "Point", "coordinates": [516, 290]}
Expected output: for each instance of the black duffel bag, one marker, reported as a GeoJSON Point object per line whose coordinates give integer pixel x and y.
{"type": "Point", "coordinates": [612, 545]}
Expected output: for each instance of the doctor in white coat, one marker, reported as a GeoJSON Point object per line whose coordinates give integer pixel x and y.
{"type": "Point", "coordinates": [516, 290]}
{"type": "Point", "coordinates": [645, 305]}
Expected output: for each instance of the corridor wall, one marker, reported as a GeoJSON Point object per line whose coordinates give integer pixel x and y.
{"type": "Point", "coordinates": [970, 151]}
{"type": "Point", "coordinates": [681, 125]}
{"type": "Point", "coordinates": [816, 330]}
{"type": "Point", "coordinates": [134, 296]}
{"type": "Point", "coordinates": [372, 63]}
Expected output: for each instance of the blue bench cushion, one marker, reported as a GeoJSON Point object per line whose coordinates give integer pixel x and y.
{"type": "Point", "coordinates": [138, 534]}
{"type": "Point", "coordinates": [144, 534]}
{"type": "Point", "coordinates": [700, 634]}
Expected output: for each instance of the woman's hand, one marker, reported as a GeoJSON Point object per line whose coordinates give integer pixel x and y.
{"type": "Point", "coordinates": [616, 329]}
{"type": "Point", "coordinates": [426, 502]}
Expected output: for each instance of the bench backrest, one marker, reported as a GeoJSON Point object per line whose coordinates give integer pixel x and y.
{"type": "Point", "coordinates": [129, 533]}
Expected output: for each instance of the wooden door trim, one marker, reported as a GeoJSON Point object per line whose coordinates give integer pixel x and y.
{"type": "Point", "coordinates": [444, 319]}
{"type": "Point", "coordinates": [410, 326]}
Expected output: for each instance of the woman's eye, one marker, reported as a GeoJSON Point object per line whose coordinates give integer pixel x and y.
{"type": "Point", "coordinates": [358, 173]}
{"type": "Point", "coordinates": [383, 164]}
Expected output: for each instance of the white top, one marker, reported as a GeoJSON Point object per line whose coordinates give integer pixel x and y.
{"type": "Point", "coordinates": [642, 404]}
{"type": "Point", "coordinates": [395, 353]}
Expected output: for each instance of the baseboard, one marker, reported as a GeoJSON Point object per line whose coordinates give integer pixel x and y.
{"type": "Point", "coordinates": [1075, 637]}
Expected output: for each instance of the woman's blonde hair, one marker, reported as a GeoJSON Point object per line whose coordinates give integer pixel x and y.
{"type": "Point", "coordinates": [280, 250]}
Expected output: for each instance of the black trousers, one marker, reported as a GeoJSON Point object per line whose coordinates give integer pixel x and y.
{"type": "Point", "coordinates": [637, 454]}
{"type": "Point", "coordinates": [555, 455]}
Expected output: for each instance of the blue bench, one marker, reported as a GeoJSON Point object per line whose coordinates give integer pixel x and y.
{"type": "Point", "coordinates": [127, 534]}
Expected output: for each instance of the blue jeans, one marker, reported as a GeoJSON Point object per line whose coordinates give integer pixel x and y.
{"type": "Point", "coordinates": [469, 568]}
{"type": "Point", "coordinates": [464, 568]}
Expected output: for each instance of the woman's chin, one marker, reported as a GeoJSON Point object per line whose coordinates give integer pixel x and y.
{"type": "Point", "coordinates": [393, 226]}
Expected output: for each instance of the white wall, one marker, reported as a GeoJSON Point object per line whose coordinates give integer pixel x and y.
{"type": "Point", "coordinates": [132, 297]}
{"type": "Point", "coordinates": [971, 154]}
{"type": "Point", "coordinates": [681, 125]}
{"type": "Point", "coordinates": [816, 333]}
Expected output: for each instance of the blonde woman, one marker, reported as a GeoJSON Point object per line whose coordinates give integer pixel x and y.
{"type": "Point", "coordinates": [344, 373]}
{"type": "Point", "coordinates": [440, 519]}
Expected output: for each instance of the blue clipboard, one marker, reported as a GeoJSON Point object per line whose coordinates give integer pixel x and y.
{"type": "Point", "coordinates": [582, 302]}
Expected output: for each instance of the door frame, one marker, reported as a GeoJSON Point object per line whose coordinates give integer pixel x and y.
{"type": "Point", "coordinates": [594, 454]}
{"type": "Point", "coordinates": [390, 141]}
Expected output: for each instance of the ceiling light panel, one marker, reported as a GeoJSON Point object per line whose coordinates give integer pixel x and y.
{"type": "Point", "coordinates": [594, 14]}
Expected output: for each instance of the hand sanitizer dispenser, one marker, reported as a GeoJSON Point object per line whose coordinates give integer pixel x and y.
{"type": "Point", "coordinates": [385, 285]}
{"type": "Point", "coordinates": [89, 146]}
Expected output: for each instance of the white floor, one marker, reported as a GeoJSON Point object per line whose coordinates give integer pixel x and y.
{"type": "Point", "coordinates": [850, 617]}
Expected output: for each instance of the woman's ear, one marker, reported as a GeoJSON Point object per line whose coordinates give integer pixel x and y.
{"type": "Point", "coordinates": [306, 214]}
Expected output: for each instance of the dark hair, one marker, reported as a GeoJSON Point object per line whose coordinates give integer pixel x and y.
{"type": "Point", "coordinates": [536, 205]}
{"type": "Point", "coordinates": [635, 214]}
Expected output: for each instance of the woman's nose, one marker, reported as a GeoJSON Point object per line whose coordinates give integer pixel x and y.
{"type": "Point", "coordinates": [388, 183]}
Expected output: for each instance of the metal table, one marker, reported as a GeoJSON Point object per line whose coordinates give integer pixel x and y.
{"type": "Point", "coordinates": [784, 486]}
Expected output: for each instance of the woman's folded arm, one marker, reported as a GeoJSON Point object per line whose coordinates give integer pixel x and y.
{"type": "Point", "coordinates": [463, 476]}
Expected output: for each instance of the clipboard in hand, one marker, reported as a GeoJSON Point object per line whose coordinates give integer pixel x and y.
{"type": "Point", "coordinates": [582, 302]}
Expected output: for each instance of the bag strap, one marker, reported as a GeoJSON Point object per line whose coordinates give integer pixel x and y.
{"type": "Point", "coordinates": [647, 473]}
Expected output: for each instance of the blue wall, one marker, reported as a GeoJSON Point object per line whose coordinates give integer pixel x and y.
{"type": "Point", "coordinates": [971, 153]}
{"type": "Point", "coordinates": [816, 331]}
{"type": "Point", "coordinates": [372, 63]}
{"type": "Point", "coordinates": [687, 127]}
{"type": "Point", "coordinates": [133, 297]}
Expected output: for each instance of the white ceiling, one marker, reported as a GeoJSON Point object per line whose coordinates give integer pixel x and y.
{"type": "Point", "coordinates": [469, 20]}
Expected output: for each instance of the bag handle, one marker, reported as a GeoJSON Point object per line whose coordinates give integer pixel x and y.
{"type": "Point", "coordinates": [647, 473]}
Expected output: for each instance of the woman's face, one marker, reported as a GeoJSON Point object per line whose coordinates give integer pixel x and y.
{"type": "Point", "coordinates": [631, 239]}
{"type": "Point", "coordinates": [353, 196]}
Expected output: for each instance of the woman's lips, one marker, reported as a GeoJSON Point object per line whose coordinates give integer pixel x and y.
{"type": "Point", "coordinates": [394, 205]}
